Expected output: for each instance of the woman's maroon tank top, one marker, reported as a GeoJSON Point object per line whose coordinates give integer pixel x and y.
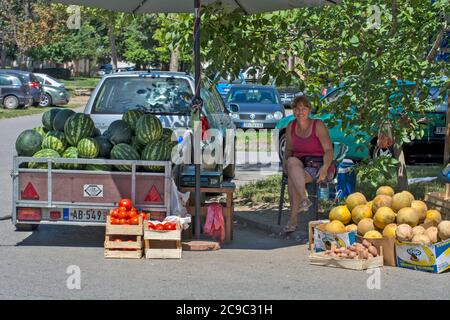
{"type": "Point", "coordinates": [309, 146]}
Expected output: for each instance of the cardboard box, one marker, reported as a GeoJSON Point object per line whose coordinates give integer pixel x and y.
{"type": "Point", "coordinates": [433, 258]}
{"type": "Point", "coordinates": [388, 244]}
{"type": "Point", "coordinates": [320, 240]}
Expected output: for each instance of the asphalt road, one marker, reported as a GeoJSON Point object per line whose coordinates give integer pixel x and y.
{"type": "Point", "coordinates": [256, 265]}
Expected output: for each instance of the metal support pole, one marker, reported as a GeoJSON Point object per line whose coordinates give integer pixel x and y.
{"type": "Point", "coordinates": [197, 98]}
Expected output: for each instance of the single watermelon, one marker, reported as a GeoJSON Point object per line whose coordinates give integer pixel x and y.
{"type": "Point", "coordinates": [104, 147]}
{"type": "Point", "coordinates": [88, 148]}
{"type": "Point", "coordinates": [131, 117]}
{"type": "Point", "coordinates": [156, 151]}
{"type": "Point", "coordinates": [77, 127]}
{"type": "Point", "coordinates": [118, 132]}
{"type": "Point", "coordinates": [136, 145]}
{"type": "Point", "coordinates": [148, 128]}
{"type": "Point", "coordinates": [28, 143]}
{"type": "Point", "coordinates": [124, 151]}
{"type": "Point", "coordinates": [48, 117]}
{"type": "Point", "coordinates": [42, 131]}
{"type": "Point", "coordinates": [55, 140]}
{"type": "Point", "coordinates": [97, 132]}
{"type": "Point", "coordinates": [61, 118]}
{"type": "Point", "coordinates": [72, 153]}
{"type": "Point", "coordinates": [98, 167]}
{"type": "Point", "coordinates": [44, 153]}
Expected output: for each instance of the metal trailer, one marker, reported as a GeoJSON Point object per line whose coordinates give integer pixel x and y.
{"type": "Point", "coordinates": [78, 197]}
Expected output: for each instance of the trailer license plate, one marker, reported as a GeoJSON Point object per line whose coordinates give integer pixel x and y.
{"type": "Point", "coordinates": [94, 215]}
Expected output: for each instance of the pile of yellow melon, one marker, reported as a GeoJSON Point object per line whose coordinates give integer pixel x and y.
{"type": "Point", "coordinates": [388, 215]}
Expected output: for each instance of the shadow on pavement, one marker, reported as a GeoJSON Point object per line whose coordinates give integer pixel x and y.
{"type": "Point", "coordinates": [65, 236]}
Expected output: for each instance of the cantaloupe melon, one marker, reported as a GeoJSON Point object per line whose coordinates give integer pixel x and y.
{"type": "Point", "coordinates": [421, 208]}
{"type": "Point", "coordinates": [408, 216]}
{"type": "Point", "coordinates": [444, 230]}
{"type": "Point", "coordinates": [373, 234]}
{"type": "Point", "coordinates": [385, 190]}
{"type": "Point", "coordinates": [340, 213]}
{"type": "Point", "coordinates": [432, 233]}
{"type": "Point", "coordinates": [404, 232]}
{"type": "Point", "coordinates": [389, 230]}
{"type": "Point", "coordinates": [433, 215]}
{"type": "Point", "coordinates": [418, 230]}
{"type": "Point", "coordinates": [351, 227]}
{"type": "Point", "coordinates": [383, 217]}
{"type": "Point", "coordinates": [422, 239]}
{"type": "Point", "coordinates": [335, 226]}
{"type": "Point", "coordinates": [365, 225]}
{"type": "Point", "coordinates": [360, 212]}
{"type": "Point", "coordinates": [355, 199]}
{"type": "Point", "coordinates": [401, 200]}
{"type": "Point", "coordinates": [381, 201]}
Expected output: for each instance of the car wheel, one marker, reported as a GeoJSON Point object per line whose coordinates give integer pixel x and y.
{"type": "Point", "coordinates": [11, 102]}
{"type": "Point", "coordinates": [229, 171]}
{"type": "Point", "coordinates": [46, 100]}
{"type": "Point", "coordinates": [282, 146]}
{"type": "Point", "coordinates": [26, 227]}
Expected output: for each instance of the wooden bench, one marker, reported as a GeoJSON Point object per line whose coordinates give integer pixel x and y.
{"type": "Point", "coordinates": [228, 210]}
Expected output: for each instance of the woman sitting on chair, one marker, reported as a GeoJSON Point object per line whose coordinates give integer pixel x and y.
{"type": "Point", "coordinates": [308, 157]}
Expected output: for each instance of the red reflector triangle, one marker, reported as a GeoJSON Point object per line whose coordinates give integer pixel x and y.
{"type": "Point", "coordinates": [153, 195]}
{"type": "Point", "coordinates": [29, 193]}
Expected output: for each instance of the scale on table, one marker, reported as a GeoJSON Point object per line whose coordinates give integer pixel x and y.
{"type": "Point", "coordinates": [211, 179]}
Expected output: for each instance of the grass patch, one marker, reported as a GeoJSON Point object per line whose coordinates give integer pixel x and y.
{"type": "Point", "coordinates": [268, 191]}
{"type": "Point", "coordinates": [255, 141]}
{"type": "Point", "coordinates": [7, 114]}
{"type": "Point", "coordinates": [80, 83]}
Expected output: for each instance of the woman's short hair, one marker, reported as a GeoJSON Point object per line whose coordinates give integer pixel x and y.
{"type": "Point", "coordinates": [301, 100]}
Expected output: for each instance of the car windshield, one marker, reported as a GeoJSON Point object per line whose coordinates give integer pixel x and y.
{"type": "Point", "coordinates": [253, 95]}
{"type": "Point", "coordinates": [161, 95]}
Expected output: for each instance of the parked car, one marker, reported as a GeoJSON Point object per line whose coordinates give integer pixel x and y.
{"type": "Point", "coordinates": [167, 95]}
{"type": "Point", "coordinates": [105, 69]}
{"type": "Point", "coordinates": [223, 85]}
{"type": "Point", "coordinates": [54, 92]}
{"type": "Point", "coordinates": [258, 106]}
{"type": "Point", "coordinates": [287, 95]}
{"type": "Point", "coordinates": [29, 78]}
{"type": "Point", "coordinates": [124, 69]}
{"type": "Point", "coordinates": [14, 91]}
{"type": "Point", "coordinates": [428, 149]}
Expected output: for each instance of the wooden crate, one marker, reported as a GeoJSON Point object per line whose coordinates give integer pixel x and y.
{"type": "Point", "coordinates": [439, 201]}
{"type": "Point", "coordinates": [123, 250]}
{"type": "Point", "coordinates": [163, 244]}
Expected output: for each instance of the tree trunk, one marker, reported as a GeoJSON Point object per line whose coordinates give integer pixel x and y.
{"type": "Point", "coordinates": [112, 43]}
{"type": "Point", "coordinates": [402, 177]}
{"type": "Point", "coordinates": [3, 56]}
{"type": "Point", "coordinates": [174, 60]}
{"type": "Point", "coordinates": [447, 136]}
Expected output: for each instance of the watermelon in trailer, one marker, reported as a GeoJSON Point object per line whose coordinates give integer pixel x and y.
{"type": "Point", "coordinates": [148, 129]}
{"type": "Point", "coordinates": [136, 144]}
{"type": "Point", "coordinates": [156, 151]}
{"type": "Point", "coordinates": [42, 131]}
{"type": "Point", "coordinates": [44, 153]}
{"type": "Point", "coordinates": [61, 118]}
{"type": "Point", "coordinates": [98, 167]}
{"type": "Point", "coordinates": [88, 148]}
{"type": "Point", "coordinates": [48, 117]}
{"type": "Point", "coordinates": [55, 140]}
{"type": "Point", "coordinates": [28, 143]}
{"type": "Point", "coordinates": [72, 153]}
{"type": "Point", "coordinates": [131, 117]}
{"type": "Point", "coordinates": [118, 132]}
{"type": "Point", "coordinates": [124, 151]}
{"type": "Point", "coordinates": [105, 147]}
{"type": "Point", "coordinates": [77, 127]}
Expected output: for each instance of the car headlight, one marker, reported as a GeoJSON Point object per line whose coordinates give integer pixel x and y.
{"type": "Point", "coordinates": [61, 94]}
{"type": "Point", "coordinates": [269, 116]}
{"type": "Point", "coordinates": [278, 115]}
{"type": "Point", "coordinates": [235, 116]}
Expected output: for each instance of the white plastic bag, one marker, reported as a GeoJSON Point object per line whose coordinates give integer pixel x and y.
{"type": "Point", "coordinates": [178, 201]}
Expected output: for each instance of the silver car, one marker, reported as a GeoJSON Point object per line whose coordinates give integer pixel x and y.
{"type": "Point", "coordinates": [54, 92]}
{"type": "Point", "coordinates": [167, 95]}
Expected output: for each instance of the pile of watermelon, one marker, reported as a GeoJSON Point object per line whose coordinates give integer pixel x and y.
{"type": "Point", "coordinates": [64, 133]}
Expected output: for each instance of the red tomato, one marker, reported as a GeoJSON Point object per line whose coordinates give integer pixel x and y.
{"type": "Point", "coordinates": [143, 215]}
{"type": "Point", "coordinates": [133, 210]}
{"type": "Point", "coordinates": [171, 226]}
{"type": "Point", "coordinates": [123, 209]}
{"type": "Point", "coordinates": [134, 220]}
{"type": "Point", "coordinates": [113, 221]}
{"type": "Point", "coordinates": [126, 203]}
{"type": "Point", "coordinates": [115, 213]}
{"type": "Point", "coordinates": [123, 221]}
{"type": "Point", "coordinates": [127, 214]}
{"type": "Point", "coordinates": [159, 227]}
{"type": "Point", "coordinates": [122, 215]}
{"type": "Point", "coordinates": [133, 215]}
{"type": "Point", "coordinates": [150, 225]}
{"type": "Point", "coordinates": [117, 240]}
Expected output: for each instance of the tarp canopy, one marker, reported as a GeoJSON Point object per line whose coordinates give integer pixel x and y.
{"type": "Point", "coordinates": [178, 6]}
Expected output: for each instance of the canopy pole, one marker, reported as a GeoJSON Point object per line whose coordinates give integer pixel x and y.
{"type": "Point", "coordinates": [198, 102]}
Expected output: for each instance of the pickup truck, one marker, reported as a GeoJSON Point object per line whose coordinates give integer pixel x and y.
{"type": "Point", "coordinates": [79, 197]}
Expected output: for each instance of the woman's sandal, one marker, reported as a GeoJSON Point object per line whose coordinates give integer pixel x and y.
{"type": "Point", "coordinates": [305, 205]}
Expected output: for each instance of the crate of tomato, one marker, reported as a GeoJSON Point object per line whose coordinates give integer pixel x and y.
{"type": "Point", "coordinates": [162, 239]}
{"type": "Point", "coordinates": [124, 231]}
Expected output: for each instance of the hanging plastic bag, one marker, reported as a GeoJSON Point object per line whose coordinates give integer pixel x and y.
{"type": "Point", "coordinates": [385, 139]}
{"type": "Point", "coordinates": [178, 201]}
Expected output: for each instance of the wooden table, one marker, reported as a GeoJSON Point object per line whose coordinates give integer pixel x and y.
{"type": "Point", "coordinates": [228, 210]}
